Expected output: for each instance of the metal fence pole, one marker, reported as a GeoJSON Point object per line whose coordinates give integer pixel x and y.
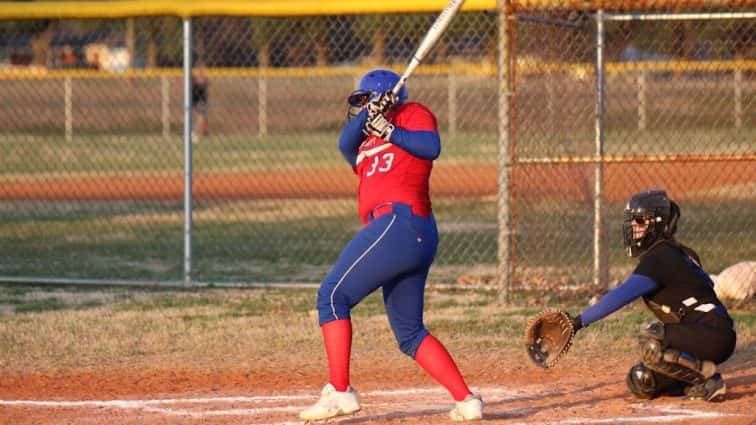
{"type": "Point", "coordinates": [600, 269]}
{"type": "Point", "coordinates": [504, 160]}
{"type": "Point", "coordinates": [642, 101]}
{"type": "Point", "coordinates": [738, 89]}
{"type": "Point", "coordinates": [68, 101]}
{"type": "Point", "coordinates": [262, 105]}
{"type": "Point", "coordinates": [165, 86]}
{"type": "Point", "coordinates": [187, 29]}
{"type": "Point", "coordinates": [551, 99]}
{"type": "Point", "coordinates": [452, 101]}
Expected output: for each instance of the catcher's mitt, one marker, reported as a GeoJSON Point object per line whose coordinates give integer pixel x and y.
{"type": "Point", "coordinates": [548, 336]}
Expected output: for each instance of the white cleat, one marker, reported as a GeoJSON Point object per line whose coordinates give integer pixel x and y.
{"type": "Point", "coordinates": [332, 403]}
{"type": "Point", "coordinates": [469, 409]}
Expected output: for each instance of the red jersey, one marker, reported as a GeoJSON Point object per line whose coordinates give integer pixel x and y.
{"type": "Point", "coordinates": [388, 173]}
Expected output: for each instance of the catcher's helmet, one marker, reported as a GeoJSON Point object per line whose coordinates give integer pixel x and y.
{"type": "Point", "coordinates": [654, 208]}
{"type": "Point", "coordinates": [375, 82]}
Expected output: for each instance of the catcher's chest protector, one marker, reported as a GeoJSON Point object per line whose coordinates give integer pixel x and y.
{"type": "Point", "coordinates": [686, 292]}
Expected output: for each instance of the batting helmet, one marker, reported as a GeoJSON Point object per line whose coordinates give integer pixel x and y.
{"type": "Point", "coordinates": [652, 208]}
{"type": "Point", "coordinates": [375, 82]}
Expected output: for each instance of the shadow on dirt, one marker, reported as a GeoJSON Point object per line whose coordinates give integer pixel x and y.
{"type": "Point", "coordinates": [503, 402]}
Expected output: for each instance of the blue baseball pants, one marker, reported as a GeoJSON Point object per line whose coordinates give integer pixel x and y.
{"type": "Point", "coordinates": [394, 252]}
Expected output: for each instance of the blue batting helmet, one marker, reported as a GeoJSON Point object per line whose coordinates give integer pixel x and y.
{"type": "Point", "coordinates": [375, 82]}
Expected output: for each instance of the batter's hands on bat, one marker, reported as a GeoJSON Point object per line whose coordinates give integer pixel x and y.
{"type": "Point", "coordinates": [379, 126]}
{"type": "Point", "coordinates": [382, 104]}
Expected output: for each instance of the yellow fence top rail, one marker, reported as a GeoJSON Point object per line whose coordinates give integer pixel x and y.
{"type": "Point", "coordinates": [577, 69]}
{"type": "Point", "coordinates": [186, 8]}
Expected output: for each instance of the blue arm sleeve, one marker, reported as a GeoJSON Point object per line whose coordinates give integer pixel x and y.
{"type": "Point", "coordinates": [635, 286]}
{"type": "Point", "coordinates": [422, 144]}
{"type": "Point", "coordinates": [352, 136]}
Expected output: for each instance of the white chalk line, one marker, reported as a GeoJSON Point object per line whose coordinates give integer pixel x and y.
{"type": "Point", "coordinates": [676, 414]}
{"type": "Point", "coordinates": [670, 413]}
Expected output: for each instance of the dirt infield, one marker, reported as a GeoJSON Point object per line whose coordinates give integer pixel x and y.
{"type": "Point", "coordinates": [564, 181]}
{"type": "Point", "coordinates": [576, 392]}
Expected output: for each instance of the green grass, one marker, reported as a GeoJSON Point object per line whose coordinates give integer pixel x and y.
{"type": "Point", "coordinates": [150, 153]}
{"type": "Point", "coordinates": [124, 241]}
{"type": "Point", "coordinates": [53, 327]}
{"type": "Point", "coordinates": [233, 241]}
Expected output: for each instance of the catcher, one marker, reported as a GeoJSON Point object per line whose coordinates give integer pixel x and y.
{"type": "Point", "coordinates": [695, 333]}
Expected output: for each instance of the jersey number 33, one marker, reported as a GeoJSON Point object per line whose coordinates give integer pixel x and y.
{"type": "Point", "coordinates": [381, 163]}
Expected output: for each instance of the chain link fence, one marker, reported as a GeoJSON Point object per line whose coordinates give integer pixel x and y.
{"type": "Point", "coordinates": [92, 151]}
{"type": "Point", "coordinates": [676, 111]}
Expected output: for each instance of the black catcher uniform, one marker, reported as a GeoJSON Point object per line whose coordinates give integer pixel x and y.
{"type": "Point", "coordinates": [695, 332]}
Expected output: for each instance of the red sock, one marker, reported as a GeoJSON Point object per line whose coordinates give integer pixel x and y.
{"type": "Point", "coordinates": [337, 336]}
{"type": "Point", "coordinates": [434, 359]}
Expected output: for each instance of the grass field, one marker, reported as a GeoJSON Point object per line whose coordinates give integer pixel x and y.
{"type": "Point", "coordinates": [48, 327]}
{"type": "Point", "coordinates": [254, 241]}
{"type": "Point", "coordinates": [298, 239]}
{"type": "Point", "coordinates": [104, 154]}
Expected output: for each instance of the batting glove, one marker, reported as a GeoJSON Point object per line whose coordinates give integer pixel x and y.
{"type": "Point", "coordinates": [379, 126]}
{"type": "Point", "coordinates": [382, 104]}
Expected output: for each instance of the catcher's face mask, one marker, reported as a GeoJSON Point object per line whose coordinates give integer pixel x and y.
{"type": "Point", "coordinates": [639, 225]}
{"type": "Point", "coordinates": [646, 219]}
{"type": "Point", "coordinates": [639, 232]}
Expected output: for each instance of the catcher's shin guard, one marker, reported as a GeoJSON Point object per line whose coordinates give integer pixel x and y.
{"type": "Point", "coordinates": [642, 382]}
{"type": "Point", "coordinates": [670, 362]}
{"type": "Point", "coordinates": [650, 343]}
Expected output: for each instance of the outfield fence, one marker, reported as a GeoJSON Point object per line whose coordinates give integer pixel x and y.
{"type": "Point", "coordinates": [156, 105]}
{"type": "Point", "coordinates": [551, 115]}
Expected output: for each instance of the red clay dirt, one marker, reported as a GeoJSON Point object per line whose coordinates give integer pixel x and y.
{"type": "Point", "coordinates": [575, 392]}
{"type": "Point", "coordinates": [529, 181]}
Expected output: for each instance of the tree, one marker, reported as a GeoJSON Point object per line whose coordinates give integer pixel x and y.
{"type": "Point", "coordinates": [371, 31]}
{"type": "Point", "coordinates": [318, 30]}
{"type": "Point", "coordinates": [39, 32]}
{"type": "Point", "coordinates": [262, 36]}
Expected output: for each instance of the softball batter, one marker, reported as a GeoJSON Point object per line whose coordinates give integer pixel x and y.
{"type": "Point", "coordinates": [390, 144]}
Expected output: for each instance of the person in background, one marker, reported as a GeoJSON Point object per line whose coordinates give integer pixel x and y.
{"type": "Point", "coordinates": [199, 103]}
